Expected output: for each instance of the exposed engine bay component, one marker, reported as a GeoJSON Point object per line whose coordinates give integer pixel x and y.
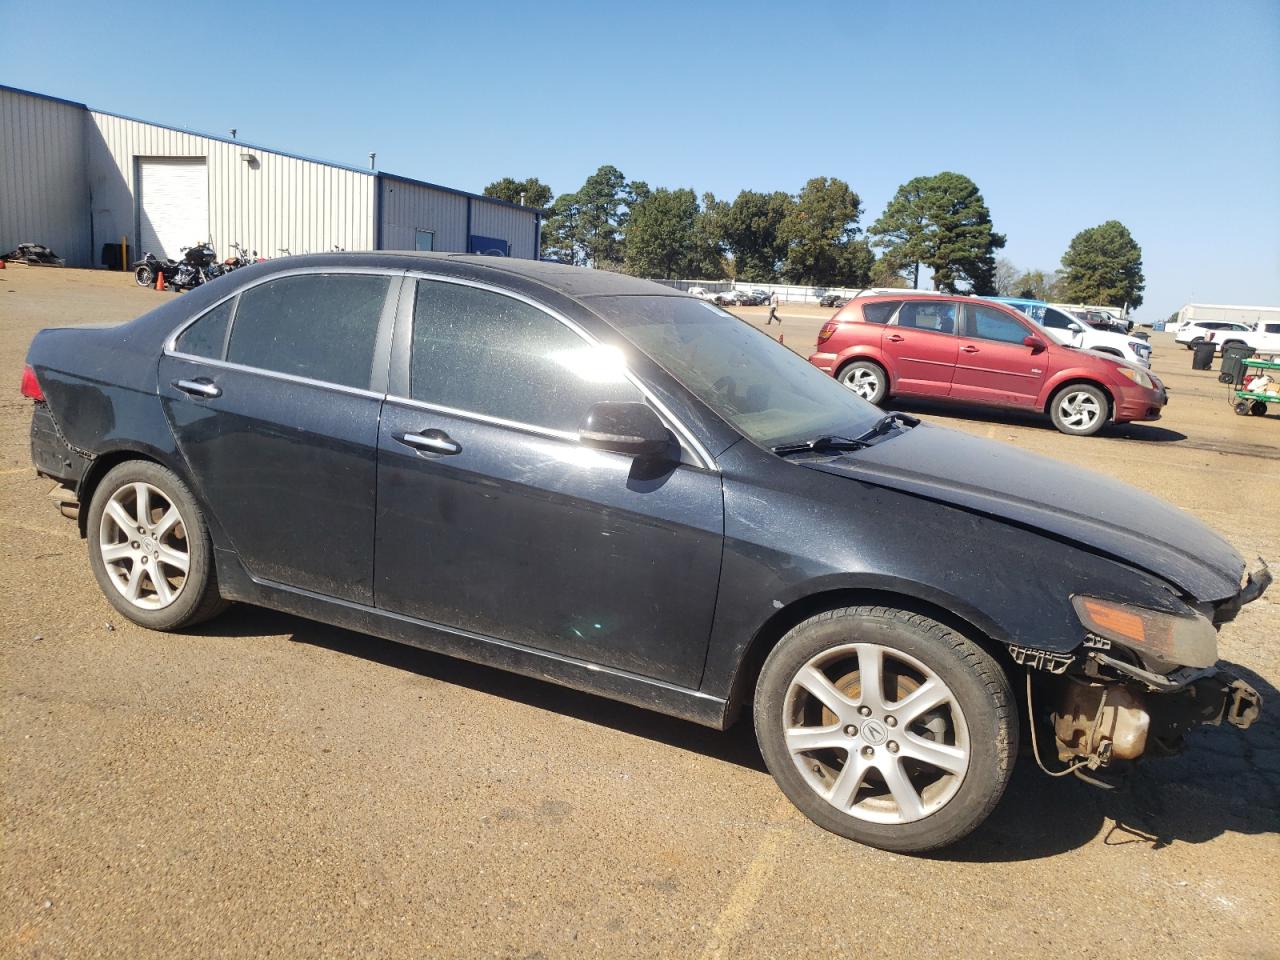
{"type": "Point", "coordinates": [1100, 723]}
{"type": "Point", "coordinates": [1055, 663]}
{"type": "Point", "coordinates": [1097, 722]}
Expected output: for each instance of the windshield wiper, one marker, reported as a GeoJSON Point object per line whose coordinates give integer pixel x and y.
{"type": "Point", "coordinates": [818, 443]}
{"type": "Point", "coordinates": [881, 426]}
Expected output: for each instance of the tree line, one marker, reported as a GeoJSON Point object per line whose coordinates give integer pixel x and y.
{"type": "Point", "coordinates": [814, 237]}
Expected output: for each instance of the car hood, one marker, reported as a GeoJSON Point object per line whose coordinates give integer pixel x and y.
{"type": "Point", "coordinates": [1093, 511]}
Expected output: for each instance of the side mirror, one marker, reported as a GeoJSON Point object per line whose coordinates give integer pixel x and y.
{"type": "Point", "coordinates": [1075, 328]}
{"type": "Point", "coordinates": [627, 427]}
{"type": "Point", "coordinates": [1034, 342]}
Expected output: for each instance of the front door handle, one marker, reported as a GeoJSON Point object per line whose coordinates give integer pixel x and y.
{"type": "Point", "coordinates": [969, 349]}
{"type": "Point", "coordinates": [894, 338]}
{"type": "Point", "coordinates": [435, 441]}
{"type": "Point", "coordinates": [203, 387]}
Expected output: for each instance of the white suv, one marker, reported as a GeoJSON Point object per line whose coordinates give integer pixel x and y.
{"type": "Point", "coordinates": [1071, 332]}
{"type": "Point", "coordinates": [1263, 337]}
{"type": "Point", "coordinates": [1198, 331]}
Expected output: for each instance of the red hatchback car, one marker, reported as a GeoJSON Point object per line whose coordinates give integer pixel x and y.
{"type": "Point", "coordinates": [975, 351]}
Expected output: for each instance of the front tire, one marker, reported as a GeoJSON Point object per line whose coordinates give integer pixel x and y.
{"type": "Point", "coordinates": [143, 277]}
{"type": "Point", "coordinates": [149, 548]}
{"type": "Point", "coordinates": [867, 379]}
{"type": "Point", "coordinates": [1079, 409]}
{"type": "Point", "coordinates": [886, 727]}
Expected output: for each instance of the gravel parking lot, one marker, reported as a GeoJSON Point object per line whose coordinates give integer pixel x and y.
{"type": "Point", "coordinates": [268, 786]}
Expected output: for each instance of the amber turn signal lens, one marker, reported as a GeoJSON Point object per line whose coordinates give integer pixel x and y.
{"type": "Point", "coordinates": [1188, 640]}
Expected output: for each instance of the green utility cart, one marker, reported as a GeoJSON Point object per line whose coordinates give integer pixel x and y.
{"type": "Point", "coordinates": [1246, 402]}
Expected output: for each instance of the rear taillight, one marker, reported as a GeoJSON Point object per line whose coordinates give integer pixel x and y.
{"type": "Point", "coordinates": [825, 333]}
{"type": "Point", "coordinates": [30, 385]}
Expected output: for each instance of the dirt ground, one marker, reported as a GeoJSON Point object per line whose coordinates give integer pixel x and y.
{"type": "Point", "coordinates": [267, 786]}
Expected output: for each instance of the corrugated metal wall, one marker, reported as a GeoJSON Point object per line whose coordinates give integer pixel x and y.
{"type": "Point", "coordinates": [408, 207]}
{"type": "Point", "coordinates": [517, 227]}
{"type": "Point", "coordinates": [43, 184]}
{"type": "Point", "coordinates": [273, 201]}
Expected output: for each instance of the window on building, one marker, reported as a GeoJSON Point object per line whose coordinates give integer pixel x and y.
{"type": "Point", "coordinates": [486, 353]}
{"type": "Point", "coordinates": [208, 335]}
{"type": "Point", "coordinates": [424, 240]}
{"type": "Point", "coordinates": [319, 326]}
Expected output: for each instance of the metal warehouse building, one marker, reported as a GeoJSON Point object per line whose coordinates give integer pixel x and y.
{"type": "Point", "coordinates": [76, 179]}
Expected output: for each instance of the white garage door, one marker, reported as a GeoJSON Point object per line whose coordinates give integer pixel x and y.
{"type": "Point", "coordinates": [173, 205]}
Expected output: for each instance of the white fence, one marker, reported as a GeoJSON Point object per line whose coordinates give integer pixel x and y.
{"type": "Point", "coordinates": [787, 292]}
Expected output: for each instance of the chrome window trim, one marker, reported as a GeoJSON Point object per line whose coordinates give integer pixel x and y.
{"type": "Point", "coordinates": [685, 436]}
{"type": "Point", "coordinates": [484, 418]}
{"type": "Point", "coordinates": [277, 375]}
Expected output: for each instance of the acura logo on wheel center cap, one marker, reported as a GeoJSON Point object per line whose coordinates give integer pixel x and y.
{"type": "Point", "coordinates": [149, 545]}
{"type": "Point", "coordinates": [874, 732]}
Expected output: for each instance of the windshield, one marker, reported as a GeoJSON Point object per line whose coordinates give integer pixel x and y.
{"type": "Point", "coordinates": [768, 393]}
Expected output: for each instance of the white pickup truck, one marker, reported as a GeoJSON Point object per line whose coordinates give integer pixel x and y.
{"type": "Point", "coordinates": [1263, 337]}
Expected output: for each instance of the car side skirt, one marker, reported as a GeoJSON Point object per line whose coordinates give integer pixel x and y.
{"type": "Point", "coordinates": [235, 583]}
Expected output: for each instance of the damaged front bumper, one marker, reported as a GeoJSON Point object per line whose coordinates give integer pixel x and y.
{"type": "Point", "coordinates": [1106, 704]}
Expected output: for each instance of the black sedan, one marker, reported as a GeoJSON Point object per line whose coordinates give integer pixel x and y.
{"type": "Point", "coordinates": [604, 482]}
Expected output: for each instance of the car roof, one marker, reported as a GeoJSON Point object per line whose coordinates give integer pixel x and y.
{"type": "Point", "coordinates": [571, 281]}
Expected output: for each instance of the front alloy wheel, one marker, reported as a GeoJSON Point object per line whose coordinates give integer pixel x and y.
{"type": "Point", "coordinates": [886, 726]}
{"type": "Point", "coordinates": [1080, 410]}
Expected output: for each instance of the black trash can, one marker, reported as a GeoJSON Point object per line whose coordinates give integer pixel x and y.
{"type": "Point", "coordinates": [111, 256]}
{"type": "Point", "coordinates": [1202, 358]}
{"type": "Point", "coordinates": [1233, 357]}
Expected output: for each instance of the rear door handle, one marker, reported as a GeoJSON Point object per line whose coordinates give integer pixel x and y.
{"type": "Point", "coordinates": [436, 441]}
{"type": "Point", "coordinates": [894, 338]}
{"type": "Point", "coordinates": [969, 349]}
{"type": "Point", "coordinates": [203, 387]}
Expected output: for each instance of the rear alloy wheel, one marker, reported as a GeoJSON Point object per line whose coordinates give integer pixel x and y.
{"type": "Point", "coordinates": [149, 549]}
{"type": "Point", "coordinates": [1080, 409]}
{"type": "Point", "coordinates": [866, 379]}
{"type": "Point", "coordinates": [886, 727]}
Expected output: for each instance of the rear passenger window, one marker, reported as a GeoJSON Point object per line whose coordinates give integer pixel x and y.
{"type": "Point", "coordinates": [879, 312]}
{"type": "Point", "coordinates": [481, 352]}
{"type": "Point", "coordinates": [987, 323]}
{"type": "Point", "coordinates": [936, 315]}
{"type": "Point", "coordinates": [208, 335]}
{"type": "Point", "coordinates": [1057, 320]}
{"type": "Point", "coordinates": [319, 326]}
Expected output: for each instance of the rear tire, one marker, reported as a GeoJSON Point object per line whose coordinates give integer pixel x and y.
{"type": "Point", "coordinates": [1079, 409]}
{"type": "Point", "coordinates": [149, 548]}
{"type": "Point", "coordinates": [1258, 408]}
{"type": "Point", "coordinates": [867, 379]}
{"type": "Point", "coordinates": [876, 765]}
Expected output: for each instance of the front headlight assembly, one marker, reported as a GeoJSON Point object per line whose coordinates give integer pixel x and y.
{"type": "Point", "coordinates": [1137, 376]}
{"type": "Point", "coordinates": [1188, 641]}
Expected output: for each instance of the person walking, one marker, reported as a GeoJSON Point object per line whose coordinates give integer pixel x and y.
{"type": "Point", "coordinates": [773, 310]}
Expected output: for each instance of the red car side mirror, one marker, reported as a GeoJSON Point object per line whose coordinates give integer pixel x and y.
{"type": "Point", "coordinates": [1035, 343]}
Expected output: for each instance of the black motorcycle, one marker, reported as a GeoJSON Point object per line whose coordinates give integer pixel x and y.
{"type": "Point", "coordinates": [198, 265]}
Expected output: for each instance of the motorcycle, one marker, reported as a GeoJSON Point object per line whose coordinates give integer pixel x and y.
{"type": "Point", "coordinates": [242, 258]}
{"type": "Point", "coordinates": [198, 265]}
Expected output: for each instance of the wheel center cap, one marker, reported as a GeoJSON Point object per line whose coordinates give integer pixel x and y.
{"type": "Point", "coordinates": [149, 545]}
{"type": "Point", "coordinates": [874, 732]}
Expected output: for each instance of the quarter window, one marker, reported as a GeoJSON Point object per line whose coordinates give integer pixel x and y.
{"type": "Point", "coordinates": [936, 315]}
{"type": "Point", "coordinates": [987, 323]}
{"type": "Point", "coordinates": [482, 352]}
{"type": "Point", "coordinates": [319, 326]}
{"type": "Point", "coordinates": [208, 335]}
{"type": "Point", "coordinates": [879, 312]}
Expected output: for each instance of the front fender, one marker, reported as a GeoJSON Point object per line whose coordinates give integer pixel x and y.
{"type": "Point", "coordinates": [806, 534]}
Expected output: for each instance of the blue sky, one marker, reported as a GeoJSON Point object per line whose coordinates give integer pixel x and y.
{"type": "Point", "coordinates": [1165, 116]}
